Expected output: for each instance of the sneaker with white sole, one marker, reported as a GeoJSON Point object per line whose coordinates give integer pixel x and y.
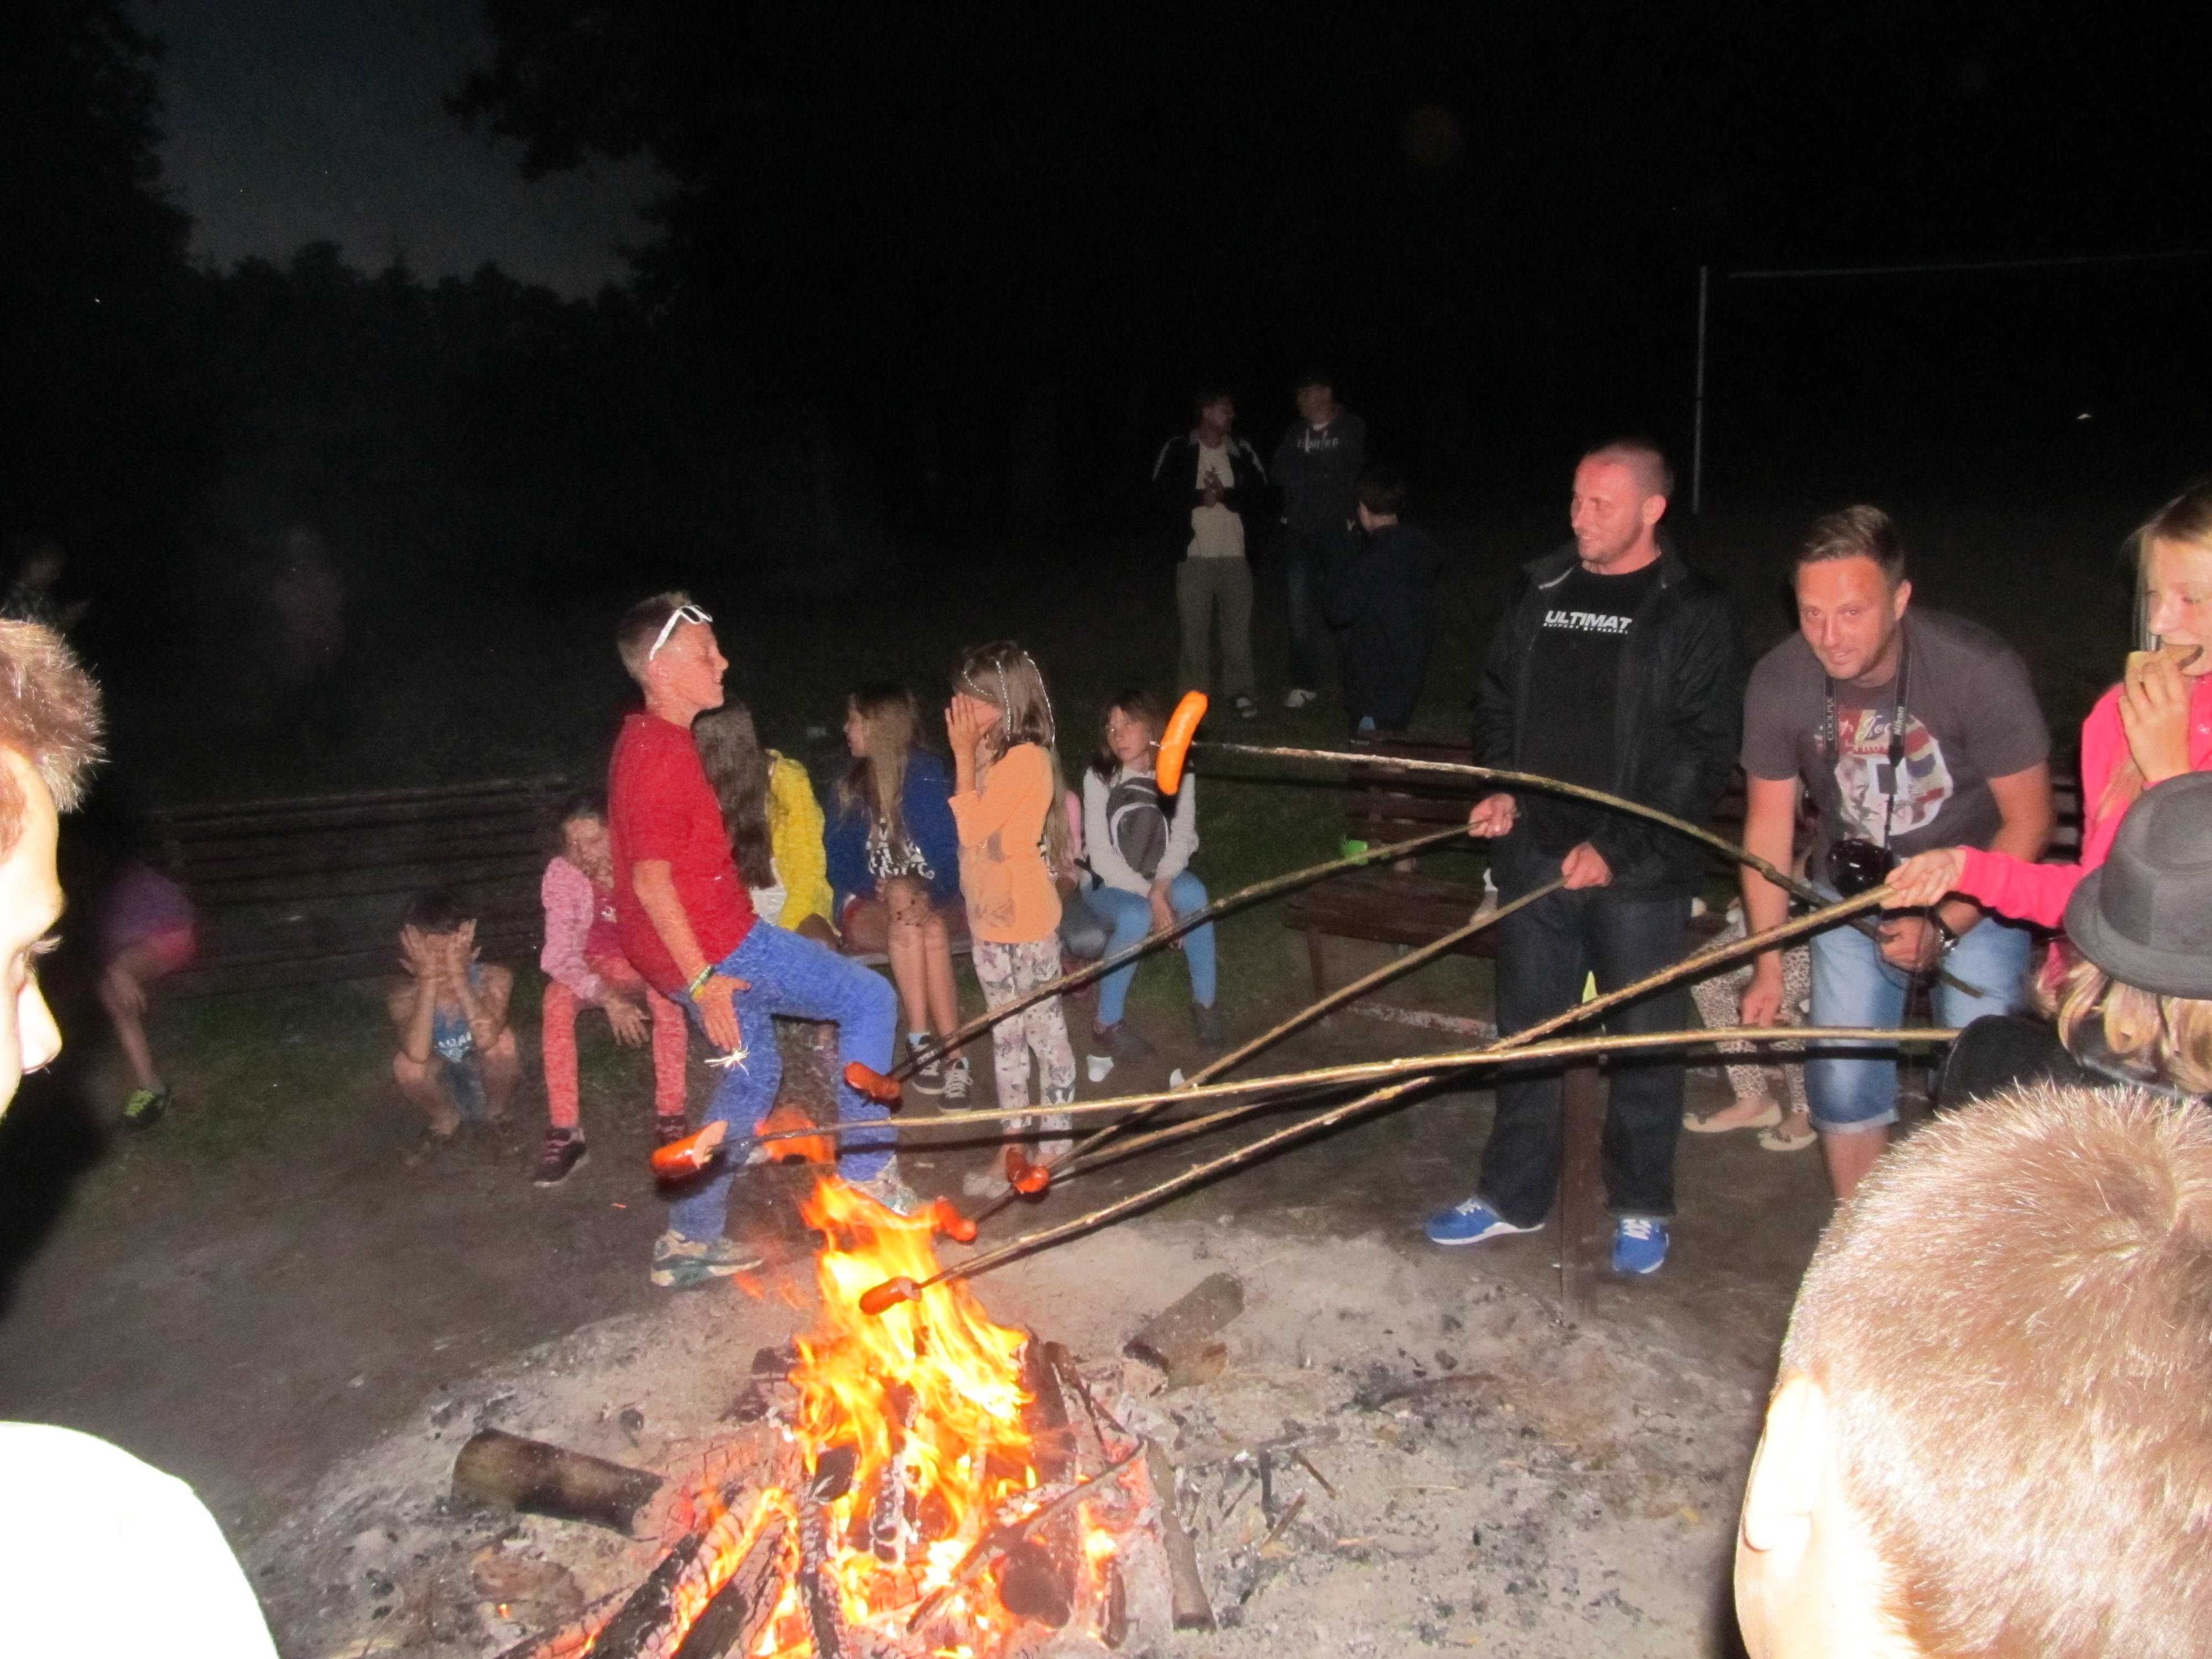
{"type": "Point", "coordinates": [561, 1154]}
{"type": "Point", "coordinates": [1471, 1221]}
{"type": "Point", "coordinates": [1299, 697]}
{"type": "Point", "coordinates": [927, 1079]}
{"type": "Point", "coordinates": [958, 1080]}
{"type": "Point", "coordinates": [683, 1264]}
{"type": "Point", "coordinates": [1639, 1244]}
{"type": "Point", "coordinates": [1246, 709]}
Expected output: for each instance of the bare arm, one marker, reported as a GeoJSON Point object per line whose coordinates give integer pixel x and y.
{"type": "Point", "coordinates": [412, 1006]}
{"type": "Point", "coordinates": [484, 1006]}
{"type": "Point", "coordinates": [1769, 823]}
{"type": "Point", "coordinates": [2025, 816]}
{"type": "Point", "coordinates": [655, 887]}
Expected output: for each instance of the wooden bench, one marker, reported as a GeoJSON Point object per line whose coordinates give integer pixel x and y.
{"type": "Point", "coordinates": [1385, 804]}
{"type": "Point", "coordinates": [304, 892]}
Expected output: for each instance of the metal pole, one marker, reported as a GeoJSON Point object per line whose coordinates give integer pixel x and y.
{"type": "Point", "coordinates": [1698, 405]}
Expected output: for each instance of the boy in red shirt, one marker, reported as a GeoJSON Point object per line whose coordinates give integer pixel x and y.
{"type": "Point", "coordinates": [687, 924]}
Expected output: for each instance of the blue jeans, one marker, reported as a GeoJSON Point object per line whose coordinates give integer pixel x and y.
{"type": "Point", "coordinates": [1130, 915]}
{"type": "Point", "coordinates": [794, 977]}
{"type": "Point", "coordinates": [1544, 954]}
{"type": "Point", "coordinates": [1853, 986]}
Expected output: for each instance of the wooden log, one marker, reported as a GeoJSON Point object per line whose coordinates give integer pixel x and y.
{"type": "Point", "coordinates": [1187, 1585]}
{"type": "Point", "coordinates": [505, 1471]}
{"type": "Point", "coordinates": [732, 1621]}
{"type": "Point", "coordinates": [1176, 1339]}
{"type": "Point", "coordinates": [1582, 1105]}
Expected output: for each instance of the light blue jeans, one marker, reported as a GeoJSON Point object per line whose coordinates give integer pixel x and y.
{"type": "Point", "coordinates": [791, 975]}
{"type": "Point", "coordinates": [1130, 916]}
{"type": "Point", "coordinates": [1853, 986]}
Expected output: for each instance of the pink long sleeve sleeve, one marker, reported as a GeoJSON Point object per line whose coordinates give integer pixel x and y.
{"type": "Point", "coordinates": [570, 904]}
{"type": "Point", "coordinates": [2038, 892]}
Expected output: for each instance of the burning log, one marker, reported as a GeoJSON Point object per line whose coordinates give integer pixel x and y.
{"type": "Point", "coordinates": [732, 1621]}
{"type": "Point", "coordinates": [505, 1471]}
{"type": "Point", "coordinates": [1177, 1340]}
{"type": "Point", "coordinates": [818, 1590]}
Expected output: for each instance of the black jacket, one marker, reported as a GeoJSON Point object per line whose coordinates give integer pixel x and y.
{"type": "Point", "coordinates": [1385, 599]}
{"type": "Point", "coordinates": [1677, 715]}
{"type": "Point", "coordinates": [1175, 490]}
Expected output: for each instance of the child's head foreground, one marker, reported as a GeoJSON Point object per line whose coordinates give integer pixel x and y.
{"type": "Point", "coordinates": [1992, 1431]}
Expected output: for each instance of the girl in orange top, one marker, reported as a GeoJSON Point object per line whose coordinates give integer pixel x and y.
{"type": "Point", "coordinates": [1007, 781]}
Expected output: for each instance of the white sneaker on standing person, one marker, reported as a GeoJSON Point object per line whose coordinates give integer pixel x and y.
{"type": "Point", "coordinates": [181, 1590]}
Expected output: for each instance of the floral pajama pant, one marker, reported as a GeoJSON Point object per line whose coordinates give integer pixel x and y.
{"type": "Point", "coordinates": [1718, 999]}
{"type": "Point", "coordinates": [1009, 971]}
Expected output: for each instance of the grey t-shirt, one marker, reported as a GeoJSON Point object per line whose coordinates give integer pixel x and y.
{"type": "Point", "coordinates": [1970, 715]}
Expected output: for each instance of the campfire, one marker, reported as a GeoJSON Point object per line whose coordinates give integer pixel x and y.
{"type": "Point", "coordinates": [919, 1482]}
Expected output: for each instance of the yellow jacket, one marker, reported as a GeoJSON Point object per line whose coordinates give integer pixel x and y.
{"type": "Point", "coordinates": [794, 829]}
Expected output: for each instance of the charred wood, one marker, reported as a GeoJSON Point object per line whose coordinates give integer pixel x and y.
{"type": "Point", "coordinates": [1192, 1611]}
{"type": "Point", "coordinates": [505, 1471]}
{"type": "Point", "coordinates": [1178, 1340]}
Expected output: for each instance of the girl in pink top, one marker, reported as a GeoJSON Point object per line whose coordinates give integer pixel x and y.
{"type": "Point", "coordinates": [2154, 725]}
{"type": "Point", "coordinates": [583, 955]}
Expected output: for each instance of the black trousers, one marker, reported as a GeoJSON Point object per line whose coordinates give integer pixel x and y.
{"type": "Point", "coordinates": [1544, 954]}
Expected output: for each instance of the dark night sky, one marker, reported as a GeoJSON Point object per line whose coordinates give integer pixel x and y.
{"type": "Point", "coordinates": [290, 122]}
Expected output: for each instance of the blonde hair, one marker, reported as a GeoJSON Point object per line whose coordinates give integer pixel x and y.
{"type": "Point", "coordinates": [875, 783]}
{"type": "Point", "coordinates": [50, 714]}
{"type": "Point", "coordinates": [2011, 1323]}
{"type": "Point", "coordinates": [1007, 678]}
{"type": "Point", "coordinates": [2185, 521]}
{"type": "Point", "coordinates": [2156, 1039]}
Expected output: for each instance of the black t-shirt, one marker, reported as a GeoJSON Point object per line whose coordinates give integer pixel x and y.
{"type": "Point", "coordinates": [1574, 675]}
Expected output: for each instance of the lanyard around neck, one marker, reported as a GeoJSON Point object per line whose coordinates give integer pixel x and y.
{"type": "Point", "coordinates": [1832, 737]}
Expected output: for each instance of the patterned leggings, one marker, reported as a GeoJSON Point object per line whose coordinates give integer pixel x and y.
{"type": "Point", "coordinates": [1008, 971]}
{"type": "Point", "coordinates": [1718, 999]}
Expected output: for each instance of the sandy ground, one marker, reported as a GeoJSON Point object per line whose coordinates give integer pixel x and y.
{"type": "Point", "coordinates": [310, 1334]}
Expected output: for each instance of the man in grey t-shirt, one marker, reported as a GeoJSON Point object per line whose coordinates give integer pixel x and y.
{"type": "Point", "coordinates": [1912, 729]}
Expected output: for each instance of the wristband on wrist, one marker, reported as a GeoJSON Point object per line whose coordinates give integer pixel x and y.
{"type": "Point", "coordinates": [699, 982]}
{"type": "Point", "coordinates": [1935, 921]}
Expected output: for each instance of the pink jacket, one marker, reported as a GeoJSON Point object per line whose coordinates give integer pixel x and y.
{"type": "Point", "coordinates": [2038, 892]}
{"type": "Point", "coordinates": [572, 908]}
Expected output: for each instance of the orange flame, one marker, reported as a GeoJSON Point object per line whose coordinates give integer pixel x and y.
{"type": "Point", "coordinates": [928, 1395]}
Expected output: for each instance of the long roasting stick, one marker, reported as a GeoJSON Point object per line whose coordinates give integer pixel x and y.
{"type": "Point", "coordinates": [1150, 942]}
{"type": "Point", "coordinates": [1305, 1015]}
{"type": "Point", "coordinates": [1277, 1088]}
{"type": "Point", "coordinates": [903, 1289]}
{"type": "Point", "coordinates": [1800, 889]}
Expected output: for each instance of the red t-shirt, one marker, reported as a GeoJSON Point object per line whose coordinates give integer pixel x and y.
{"type": "Point", "coordinates": [660, 808]}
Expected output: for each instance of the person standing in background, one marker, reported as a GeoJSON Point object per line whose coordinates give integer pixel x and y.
{"type": "Point", "coordinates": [1207, 484]}
{"type": "Point", "coordinates": [1317, 468]}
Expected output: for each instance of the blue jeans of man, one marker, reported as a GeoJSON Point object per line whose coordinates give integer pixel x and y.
{"type": "Point", "coordinates": [1853, 986]}
{"type": "Point", "coordinates": [1130, 916]}
{"type": "Point", "coordinates": [794, 977]}
{"type": "Point", "coordinates": [1311, 561]}
{"type": "Point", "coordinates": [1545, 953]}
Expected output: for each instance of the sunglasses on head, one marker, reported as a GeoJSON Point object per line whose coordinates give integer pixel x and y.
{"type": "Point", "coordinates": [683, 613]}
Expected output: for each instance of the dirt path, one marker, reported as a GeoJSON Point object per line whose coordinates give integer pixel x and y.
{"type": "Point", "coordinates": [303, 1330]}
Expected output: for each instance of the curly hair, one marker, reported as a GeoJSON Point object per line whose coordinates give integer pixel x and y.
{"type": "Point", "coordinates": [50, 714]}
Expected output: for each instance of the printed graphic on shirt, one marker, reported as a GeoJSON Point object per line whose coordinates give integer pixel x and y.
{"type": "Point", "coordinates": [1587, 622]}
{"type": "Point", "coordinates": [1864, 779]}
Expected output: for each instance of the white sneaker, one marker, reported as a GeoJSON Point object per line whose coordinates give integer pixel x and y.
{"type": "Point", "coordinates": [1299, 697]}
{"type": "Point", "coordinates": [889, 1190]}
{"type": "Point", "coordinates": [1097, 1066]}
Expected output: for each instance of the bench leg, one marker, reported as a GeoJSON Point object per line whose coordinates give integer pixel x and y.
{"type": "Point", "coordinates": [1319, 963]}
{"type": "Point", "coordinates": [1582, 1103]}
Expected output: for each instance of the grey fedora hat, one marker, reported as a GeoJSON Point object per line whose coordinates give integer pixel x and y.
{"type": "Point", "coordinates": [2145, 915]}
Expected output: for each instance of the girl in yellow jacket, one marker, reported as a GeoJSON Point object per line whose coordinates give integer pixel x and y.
{"type": "Point", "coordinates": [774, 823]}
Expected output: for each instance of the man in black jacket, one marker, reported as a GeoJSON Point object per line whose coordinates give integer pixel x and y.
{"type": "Point", "coordinates": [1317, 467]}
{"type": "Point", "coordinates": [1206, 485]}
{"type": "Point", "coordinates": [1616, 668]}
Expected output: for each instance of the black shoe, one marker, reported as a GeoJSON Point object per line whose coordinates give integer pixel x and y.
{"type": "Point", "coordinates": [1120, 1041]}
{"type": "Point", "coordinates": [1205, 1021]}
{"type": "Point", "coordinates": [926, 1079]}
{"type": "Point", "coordinates": [562, 1152]}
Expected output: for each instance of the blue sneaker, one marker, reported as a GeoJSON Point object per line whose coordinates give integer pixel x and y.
{"type": "Point", "coordinates": [1639, 1244]}
{"type": "Point", "coordinates": [1471, 1222]}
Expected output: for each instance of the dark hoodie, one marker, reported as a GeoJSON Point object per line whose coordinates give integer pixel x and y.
{"type": "Point", "coordinates": [1385, 601]}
